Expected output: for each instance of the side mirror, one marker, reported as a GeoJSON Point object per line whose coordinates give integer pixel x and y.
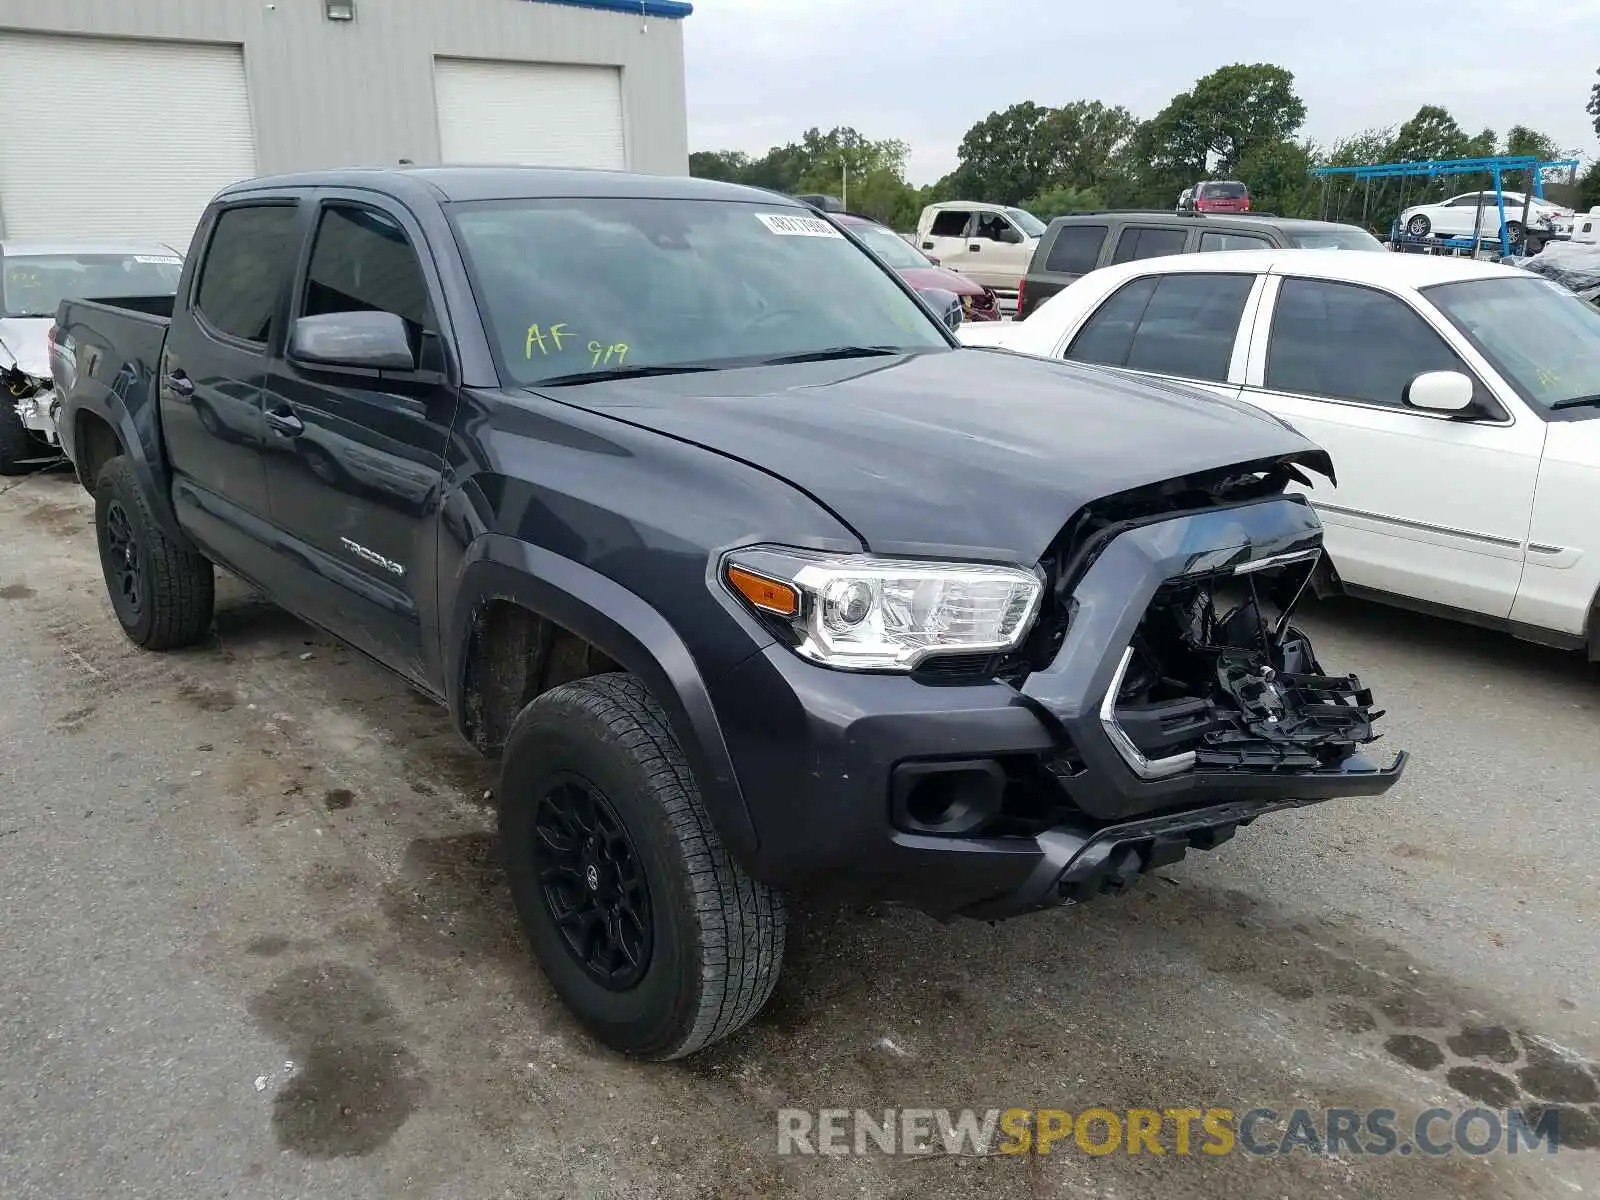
{"type": "Point", "coordinates": [1440, 391]}
{"type": "Point", "coordinates": [945, 304]}
{"type": "Point", "coordinates": [376, 341]}
{"type": "Point", "coordinates": [1012, 237]}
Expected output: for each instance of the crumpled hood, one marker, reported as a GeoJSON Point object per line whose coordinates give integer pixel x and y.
{"type": "Point", "coordinates": [963, 449]}
{"type": "Point", "coordinates": [27, 338]}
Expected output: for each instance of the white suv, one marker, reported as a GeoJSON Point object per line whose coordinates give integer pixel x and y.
{"type": "Point", "coordinates": [1460, 401]}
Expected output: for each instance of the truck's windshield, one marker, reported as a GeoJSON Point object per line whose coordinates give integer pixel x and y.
{"type": "Point", "coordinates": [34, 285]}
{"type": "Point", "coordinates": [1541, 337]}
{"type": "Point", "coordinates": [594, 284]}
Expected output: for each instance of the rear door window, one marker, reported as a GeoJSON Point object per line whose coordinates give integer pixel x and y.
{"type": "Point", "coordinates": [1148, 241]}
{"type": "Point", "coordinates": [949, 223]}
{"type": "Point", "coordinates": [251, 252]}
{"type": "Point", "coordinates": [1075, 250]}
{"type": "Point", "coordinates": [1179, 325]}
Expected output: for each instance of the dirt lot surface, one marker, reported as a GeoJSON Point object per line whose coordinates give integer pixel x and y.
{"type": "Point", "coordinates": [256, 944]}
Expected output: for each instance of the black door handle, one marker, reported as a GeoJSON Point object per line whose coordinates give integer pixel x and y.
{"type": "Point", "coordinates": [180, 383]}
{"type": "Point", "coordinates": [975, 248]}
{"type": "Point", "coordinates": [285, 422]}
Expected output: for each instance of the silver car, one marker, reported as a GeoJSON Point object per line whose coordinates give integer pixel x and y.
{"type": "Point", "coordinates": [35, 276]}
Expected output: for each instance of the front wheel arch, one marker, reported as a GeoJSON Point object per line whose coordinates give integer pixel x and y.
{"type": "Point", "coordinates": [620, 630]}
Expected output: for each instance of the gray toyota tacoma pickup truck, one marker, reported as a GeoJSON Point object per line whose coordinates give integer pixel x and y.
{"type": "Point", "coordinates": [698, 518]}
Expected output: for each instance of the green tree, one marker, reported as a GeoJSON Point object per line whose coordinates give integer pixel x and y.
{"type": "Point", "coordinates": [1278, 174]}
{"type": "Point", "coordinates": [1083, 140]}
{"type": "Point", "coordinates": [1066, 199]}
{"type": "Point", "coordinates": [1004, 159]}
{"type": "Point", "coordinates": [1520, 139]}
{"type": "Point", "coordinates": [1227, 114]}
{"type": "Point", "coordinates": [729, 166]}
{"type": "Point", "coordinates": [1593, 107]}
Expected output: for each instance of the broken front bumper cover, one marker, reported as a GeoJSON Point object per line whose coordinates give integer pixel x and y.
{"type": "Point", "coordinates": [830, 751]}
{"type": "Point", "coordinates": [1271, 733]}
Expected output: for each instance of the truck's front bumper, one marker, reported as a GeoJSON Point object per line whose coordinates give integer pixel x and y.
{"type": "Point", "coordinates": [987, 800]}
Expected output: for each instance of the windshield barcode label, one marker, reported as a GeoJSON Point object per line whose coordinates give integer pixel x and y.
{"type": "Point", "coordinates": [798, 226]}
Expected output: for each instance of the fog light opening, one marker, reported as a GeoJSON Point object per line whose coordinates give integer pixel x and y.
{"type": "Point", "coordinates": [948, 798]}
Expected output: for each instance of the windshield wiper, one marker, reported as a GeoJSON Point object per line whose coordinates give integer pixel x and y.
{"type": "Point", "coordinates": [638, 372]}
{"type": "Point", "coordinates": [1576, 402]}
{"type": "Point", "coordinates": [828, 355]}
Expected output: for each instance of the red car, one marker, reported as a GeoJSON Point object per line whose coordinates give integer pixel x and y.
{"type": "Point", "coordinates": [1218, 196]}
{"type": "Point", "coordinates": [978, 303]}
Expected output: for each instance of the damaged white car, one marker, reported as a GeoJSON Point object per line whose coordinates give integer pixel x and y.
{"type": "Point", "coordinates": [35, 277]}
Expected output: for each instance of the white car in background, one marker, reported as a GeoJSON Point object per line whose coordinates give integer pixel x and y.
{"type": "Point", "coordinates": [1455, 217]}
{"type": "Point", "coordinates": [1460, 401]}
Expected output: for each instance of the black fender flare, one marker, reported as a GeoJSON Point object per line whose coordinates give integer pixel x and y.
{"type": "Point", "coordinates": [625, 628]}
{"type": "Point", "coordinates": [141, 444]}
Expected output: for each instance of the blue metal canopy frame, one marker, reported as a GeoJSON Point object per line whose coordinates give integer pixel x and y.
{"type": "Point", "coordinates": [1495, 165]}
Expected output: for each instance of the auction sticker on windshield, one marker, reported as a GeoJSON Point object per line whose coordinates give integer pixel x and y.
{"type": "Point", "coordinates": [798, 226]}
{"type": "Point", "coordinates": [166, 260]}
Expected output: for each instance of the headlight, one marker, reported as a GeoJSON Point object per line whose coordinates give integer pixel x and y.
{"type": "Point", "coordinates": [862, 613]}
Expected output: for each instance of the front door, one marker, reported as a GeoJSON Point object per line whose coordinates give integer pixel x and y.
{"type": "Point", "coordinates": [946, 239]}
{"type": "Point", "coordinates": [355, 467]}
{"type": "Point", "coordinates": [997, 253]}
{"type": "Point", "coordinates": [1430, 506]}
{"type": "Point", "coordinates": [211, 375]}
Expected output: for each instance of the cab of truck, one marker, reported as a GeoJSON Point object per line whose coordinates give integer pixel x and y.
{"type": "Point", "coordinates": [990, 244]}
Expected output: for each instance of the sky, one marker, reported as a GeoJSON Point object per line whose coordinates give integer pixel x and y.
{"type": "Point", "coordinates": [761, 72]}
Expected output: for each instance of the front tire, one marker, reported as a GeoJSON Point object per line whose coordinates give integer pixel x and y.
{"type": "Point", "coordinates": [646, 928]}
{"type": "Point", "coordinates": [16, 445]}
{"type": "Point", "coordinates": [163, 593]}
{"type": "Point", "coordinates": [1419, 226]}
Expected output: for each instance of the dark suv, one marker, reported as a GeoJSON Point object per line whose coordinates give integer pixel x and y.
{"type": "Point", "coordinates": [1074, 245]}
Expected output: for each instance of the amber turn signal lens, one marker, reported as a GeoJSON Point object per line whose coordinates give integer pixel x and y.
{"type": "Point", "coordinates": [768, 595]}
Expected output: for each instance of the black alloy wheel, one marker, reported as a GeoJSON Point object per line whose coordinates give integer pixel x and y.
{"type": "Point", "coordinates": [592, 882]}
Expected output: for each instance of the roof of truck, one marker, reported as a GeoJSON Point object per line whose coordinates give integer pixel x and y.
{"type": "Point", "coordinates": [511, 182]}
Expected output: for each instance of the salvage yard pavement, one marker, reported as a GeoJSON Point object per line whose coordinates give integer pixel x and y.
{"type": "Point", "coordinates": [257, 944]}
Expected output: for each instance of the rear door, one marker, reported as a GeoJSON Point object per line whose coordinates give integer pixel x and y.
{"type": "Point", "coordinates": [1183, 326]}
{"type": "Point", "coordinates": [1150, 241]}
{"type": "Point", "coordinates": [1428, 505]}
{"type": "Point", "coordinates": [355, 471]}
{"type": "Point", "coordinates": [213, 369]}
{"type": "Point", "coordinates": [946, 239]}
{"type": "Point", "coordinates": [1071, 250]}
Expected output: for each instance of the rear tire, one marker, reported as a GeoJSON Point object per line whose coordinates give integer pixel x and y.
{"type": "Point", "coordinates": [644, 925]}
{"type": "Point", "coordinates": [16, 444]}
{"type": "Point", "coordinates": [163, 593]}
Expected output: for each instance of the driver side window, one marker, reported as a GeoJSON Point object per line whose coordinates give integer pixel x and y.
{"type": "Point", "coordinates": [1348, 342]}
{"type": "Point", "coordinates": [363, 262]}
{"type": "Point", "coordinates": [991, 227]}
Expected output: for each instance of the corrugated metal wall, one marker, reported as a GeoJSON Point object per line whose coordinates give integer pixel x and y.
{"type": "Point", "coordinates": [341, 93]}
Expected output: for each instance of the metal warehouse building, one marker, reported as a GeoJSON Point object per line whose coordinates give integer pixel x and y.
{"type": "Point", "coordinates": [124, 117]}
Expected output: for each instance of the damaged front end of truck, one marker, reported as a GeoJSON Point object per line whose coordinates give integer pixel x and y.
{"type": "Point", "coordinates": [1185, 699]}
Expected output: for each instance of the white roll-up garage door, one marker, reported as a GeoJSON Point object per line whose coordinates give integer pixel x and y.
{"type": "Point", "coordinates": [117, 138]}
{"type": "Point", "coordinates": [544, 114]}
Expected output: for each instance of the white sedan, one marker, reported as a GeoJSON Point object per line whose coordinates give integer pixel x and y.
{"type": "Point", "coordinates": [1460, 401]}
{"type": "Point", "coordinates": [1457, 216]}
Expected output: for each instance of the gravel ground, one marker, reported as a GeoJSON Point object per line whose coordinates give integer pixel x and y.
{"type": "Point", "coordinates": [256, 945]}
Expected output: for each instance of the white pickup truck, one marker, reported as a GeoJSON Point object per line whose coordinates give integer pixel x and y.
{"type": "Point", "coordinates": [991, 244]}
{"type": "Point", "coordinates": [35, 277]}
